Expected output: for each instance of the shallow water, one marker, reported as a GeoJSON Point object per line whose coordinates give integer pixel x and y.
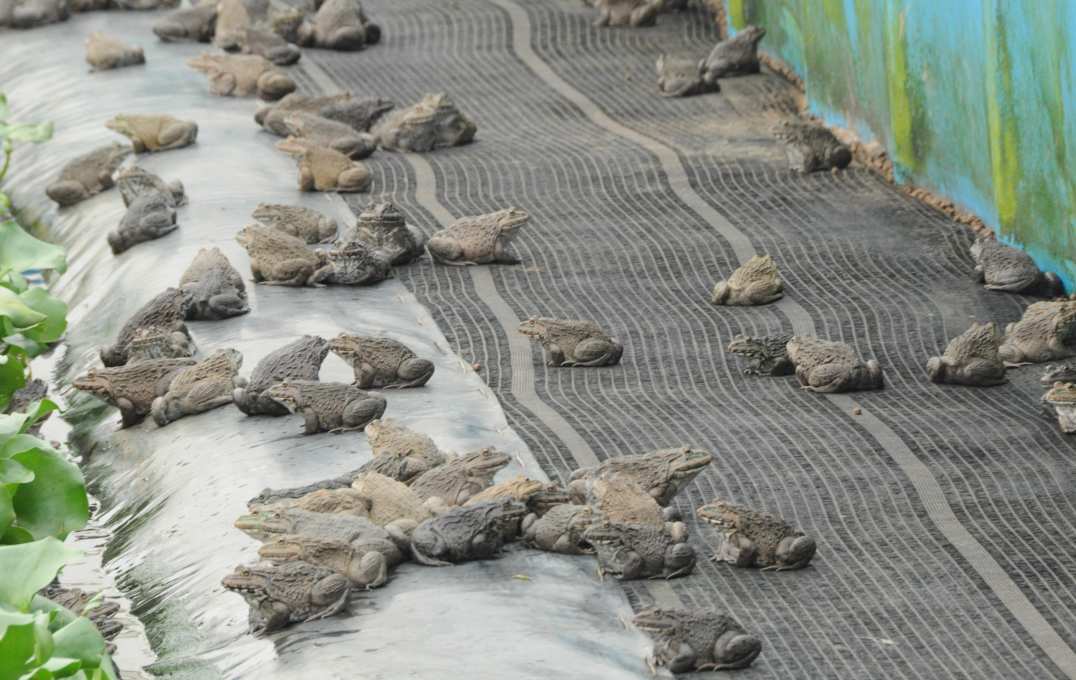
{"type": "Point", "coordinates": [169, 495]}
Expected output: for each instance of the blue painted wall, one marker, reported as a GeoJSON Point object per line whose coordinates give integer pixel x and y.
{"type": "Point", "coordinates": [974, 99]}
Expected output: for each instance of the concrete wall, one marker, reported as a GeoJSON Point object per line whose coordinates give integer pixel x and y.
{"type": "Point", "coordinates": [974, 99]}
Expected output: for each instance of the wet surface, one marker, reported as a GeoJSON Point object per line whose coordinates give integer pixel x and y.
{"type": "Point", "coordinates": [168, 496]}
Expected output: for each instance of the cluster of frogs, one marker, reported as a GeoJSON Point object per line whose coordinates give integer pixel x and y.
{"type": "Point", "coordinates": [412, 501]}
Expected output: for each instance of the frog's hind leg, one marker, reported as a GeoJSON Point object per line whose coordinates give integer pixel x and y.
{"type": "Point", "coordinates": [596, 352]}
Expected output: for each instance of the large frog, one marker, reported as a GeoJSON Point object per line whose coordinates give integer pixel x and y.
{"type": "Point", "coordinates": [734, 56]}
{"type": "Point", "coordinates": [298, 360]}
{"type": "Point", "coordinates": [353, 263]}
{"type": "Point", "coordinates": [1004, 268]}
{"type": "Point", "coordinates": [279, 259]}
{"type": "Point", "coordinates": [634, 13]}
{"type": "Point", "coordinates": [475, 532]}
{"type": "Point", "coordinates": [460, 478]}
{"type": "Point", "coordinates": [167, 310]}
{"type": "Point", "coordinates": [289, 592]}
{"type": "Point", "coordinates": [970, 358]}
{"type": "Point", "coordinates": [1046, 332]}
{"type": "Point", "coordinates": [483, 239]}
{"type": "Point", "coordinates": [330, 134]}
{"type": "Point", "coordinates": [217, 290]}
{"type": "Point", "coordinates": [339, 25]}
{"type": "Point", "coordinates": [433, 123]}
{"type": "Point", "coordinates": [766, 355]}
{"type": "Point", "coordinates": [195, 24]}
{"type": "Point", "coordinates": [132, 388]}
{"type": "Point", "coordinates": [360, 532]}
{"type": "Point", "coordinates": [154, 132]}
{"type": "Point", "coordinates": [570, 342]}
{"type": "Point", "coordinates": [1061, 398]}
{"type": "Point", "coordinates": [561, 529]}
{"type": "Point", "coordinates": [381, 362]}
{"type": "Point", "coordinates": [383, 227]}
{"type": "Point", "coordinates": [750, 538]}
{"type": "Point", "coordinates": [364, 568]}
{"type": "Point", "coordinates": [811, 147]}
{"type": "Point", "coordinates": [637, 551]}
{"type": "Point", "coordinates": [324, 169]}
{"type": "Point", "coordinates": [87, 175]}
{"type": "Point", "coordinates": [662, 473]}
{"type": "Point", "coordinates": [242, 75]}
{"type": "Point", "coordinates": [303, 223]}
{"type": "Point", "coordinates": [693, 640]}
{"type": "Point", "coordinates": [825, 366]}
{"type": "Point", "coordinates": [104, 53]}
{"type": "Point", "coordinates": [399, 452]}
{"type": "Point", "coordinates": [150, 216]}
{"type": "Point", "coordinates": [327, 407]}
{"type": "Point", "coordinates": [756, 282]}
{"type": "Point", "coordinates": [205, 386]}
{"type": "Point", "coordinates": [681, 76]}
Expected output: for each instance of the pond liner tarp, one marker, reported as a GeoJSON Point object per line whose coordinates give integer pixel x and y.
{"type": "Point", "coordinates": [169, 495]}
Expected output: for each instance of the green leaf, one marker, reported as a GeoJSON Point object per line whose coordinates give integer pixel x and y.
{"type": "Point", "coordinates": [19, 251]}
{"type": "Point", "coordinates": [17, 649]}
{"type": "Point", "coordinates": [55, 311]}
{"type": "Point", "coordinates": [80, 640]}
{"type": "Point", "coordinates": [5, 111]}
{"type": "Point", "coordinates": [13, 472]}
{"type": "Point", "coordinates": [15, 536]}
{"type": "Point", "coordinates": [12, 376]}
{"type": "Point", "coordinates": [14, 281]}
{"type": "Point", "coordinates": [11, 424]}
{"type": "Point", "coordinates": [21, 315]}
{"type": "Point", "coordinates": [27, 568]}
{"type": "Point", "coordinates": [55, 503]}
{"type": "Point", "coordinates": [37, 411]}
{"type": "Point", "coordinates": [31, 348]}
{"type": "Point", "coordinates": [7, 510]}
{"type": "Point", "coordinates": [26, 132]}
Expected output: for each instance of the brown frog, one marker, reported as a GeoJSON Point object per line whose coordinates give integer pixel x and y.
{"type": "Point", "coordinates": [364, 568]}
{"type": "Point", "coordinates": [662, 473]}
{"type": "Point", "coordinates": [634, 13]}
{"type": "Point", "coordinates": [150, 216]}
{"type": "Point", "coordinates": [483, 239]}
{"type": "Point", "coordinates": [693, 640]}
{"type": "Point", "coordinates": [322, 169]}
{"type": "Point", "coordinates": [242, 75]}
{"type": "Point", "coordinates": [561, 529]}
{"type": "Point", "coordinates": [279, 259]}
{"type": "Point", "coordinates": [217, 290]}
{"type": "Point", "coordinates": [681, 76]}
{"type": "Point", "coordinates": [382, 226]}
{"type": "Point", "coordinates": [154, 132]}
{"type": "Point", "coordinates": [637, 551]}
{"type": "Point", "coordinates": [971, 358]}
{"type": "Point", "coordinates": [160, 342]}
{"type": "Point", "coordinates": [811, 147]}
{"type": "Point", "coordinates": [339, 25]}
{"type": "Point", "coordinates": [327, 407]}
{"type": "Point", "coordinates": [330, 134]}
{"type": "Point", "coordinates": [1046, 332]}
{"type": "Point", "coordinates": [399, 452]}
{"type": "Point", "coordinates": [298, 360]}
{"type": "Point", "coordinates": [460, 478]}
{"type": "Point", "coordinates": [289, 592]}
{"type": "Point", "coordinates": [194, 24]}
{"type": "Point", "coordinates": [381, 362]}
{"type": "Point", "coordinates": [1061, 399]}
{"type": "Point", "coordinates": [87, 175]}
{"type": "Point", "coordinates": [199, 388]}
{"type": "Point", "coordinates": [756, 282]}
{"type": "Point", "coordinates": [750, 538]}
{"type": "Point", "coordinates": [433, 123]}
{"type": "Point", "coordinates": [104, 53]}
{"type": "Point", "coordinates": [476, 532]}
{"type": "Point", "coordinates": [569, 343]}
{"type": "Point", "coordinates": [734, 56]}
{"type": "Point", "coordinates": [132, 388]}
{"type": "Point", "coordinates": [304, 223]}
{"type": "Point", "coordinates": [827, 367]}
{"type": "Point", "coordinates": [353, 263]}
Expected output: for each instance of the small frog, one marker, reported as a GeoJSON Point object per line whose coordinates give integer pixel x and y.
{"type": "Point", "coordinates": [364, 568]}
{"type": "Point", "coordinates": [756, 282]}
{"type": "Point", "coordinates": [330, 134]}
{"type": "Point", "coordinates": [681, 76]}
{"type": "Point", "coordinates": [298, 360]}
{"type": "Point", "coordinates": [132, 388]}
{"type": "Point", "coordinates": [382, 226]}
{"type": "Point", "coordinates": [693, 640]}
{"type": "Point", "coordinates": [636, 551]}
{"type": "Point", "coordinates": [750, 538]}
{"type": "Point", "coordinates": [827, 367]}
{"type": "Point", "coordinates": [217, 290]}
{"type": "Point", "coordinates": [570, 343]}
{"type": "Point", "coordinates": [150, 216]}
{"type": "Point", "coordinates": [305, 223]}
{"type": "Point", "coordinates": [242, 75]}
{"type": "Point", "coordinates": [460, 478]}
{"type": "Point", "coordinates": [278, 259]}
{"type": "Point", "coordinates": [322, 169]}
{"type": "Point", "coordinates": [105, 52]}
{"type": "Point", "coordinates": [766, 355]}
{"type": "Point", "coordinates": [87, 175]}
{"type": "Point", "coordinates": [400, 453]}
{"type": "Point", "coordinates": [1046, 332]}
{"type": "Point", "coordinates": [734, 56]}
{"type": "Point", "coordinates": [166, 310]}
{"type": "Point", "coordinates": [381, 362]}
{"type": "Point", "coordinates": [561, 529]}
{"type": "Point", "coordinates": [970, 358]}
{"type": "Point", "coordinates": [1061, 398]}
{"type": "Point", "coordinates": [353, 263]}
{"type": "Point", "coordinates": [811, 147]}
{"type": "Point", "coordinates": [339, 25]}
{"type": "Point", "coordinates": [199, 388]}
{"type": "Point", "coordinates": [433, 123]}
{"type": "Point", "coordinates": [290, 592]}
{"type": "Point", "coordinates": [476, 532]}
{"type": "Point", "coordinates": [194, 24]}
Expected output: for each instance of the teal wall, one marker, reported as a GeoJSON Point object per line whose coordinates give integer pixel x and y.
{"type": "Point", "coordinates": [973, 99]}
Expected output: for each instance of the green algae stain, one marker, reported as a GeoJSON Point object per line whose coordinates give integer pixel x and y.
{"type": "Point", "coordinates": [1001, 120]}
{"type": "Point", "coordinates": [908, 122]}
{"type": "Point", "coordinates": [737, 13]}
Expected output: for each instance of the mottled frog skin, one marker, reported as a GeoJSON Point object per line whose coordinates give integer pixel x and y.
{"type": "Point", "coordinates": [460, 478]}
{"type": "Point", "coordinates": [381, 362]}
{"type": "Point", "coordinates": [289, 592]}
{"type": "Point", "coordinates": [1061, 398]}
{"type": "Point", "coordinates": [23, 14]}
{"type": "Point", "coordinates": [190, 24]}
{"type": "Point", "coordinates": [433, 123]}
{"type": "Point", "coordinates": [1046, 332]}
{"type": "Point", "coordinates": [970, 358]}
{"type": "Point", "coordinates": [662, 473]}
{"type": "Point", "coordinates": [330, 134]}
{"type": "Point", "coordinates": [154, 132]}
{"type": "Point", "coordinates": [571, 342]}
{"type": "Point", "coordinates": [327, 407]}
{"type": "Point", "coordinates": [476, 532]}
{"type": "Point", "coordinates": [242, 75]}
{"type": "Point", "coordinates": [166, 310]}
{"type": "Point", "coordinates": [400, 453]}
{"type": "Point", "coordinates": [323, 169]}
{"type": "Point", "coordinates": [298, 360]}
{"type": "Point", "coordinates": [339, 25]}
{"type": "Point", "coordinates": [266, 43]}
{"type": "Point", "coordinates": [104, 53]}
{"type": "Point", "coordinates": [638, 551]}
{"type": "Point", "coordinates": [756, 282]}
{"type": "Point", "coordinates": [359, 532]}
{"type": "Point", "coordinates": [812, 148]}
{"type": "Point", "coordinates": [278, 259]}
{"type": "Point", "coordinates": [364, 568]}
{"type": "Point", "coordinates": [695, 640]}
{"type": "Point", "coordinates": [273, 116]}
{"type": "Point", "coordinates": [132, 388]}
{"type": "Point", "coordinates": [303, 223]}
{"type": "Point", "coordinates": [383, 227]}
{"type": "Point", "coordinates": [681, 76]}
{"type": "Point", "coordinates": [361, 113]}
{"type": "Point", "coordinates": [634, 13]}
{"type": "Point", "coordinates": [1059, 373]}
{"type": "Point", "coordinates": [199, 388]}
{"type": "Point", "coordinates": [1004, 268]}
{"type": "Point", "coordinates": [766, 355]}
{"type": "Point", "coordinates": [87, 175]}
{"type": "Point", "coordinates": [354, 263]}
{"type": "Point", "coordinates": [217, 290]}
{"type": "Point", "coordinates": [824, 366]}
{"type": "Point", "coordinates": [561, 529]}
{"type": "Point", "coordinates": [538, 497]}
{"type": "Point", "coordinates": [750, 538]}
{"type": "Point", "coordinates": [484, 239]}
{"type": "Point", "coordinates": [735, 56]}
{"type": "Point", "coordinates": [150, 216]}
{"type": "Point", "coordinates": [135, 181]}
{"type": "Point", "coordinates": [160, 342]}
